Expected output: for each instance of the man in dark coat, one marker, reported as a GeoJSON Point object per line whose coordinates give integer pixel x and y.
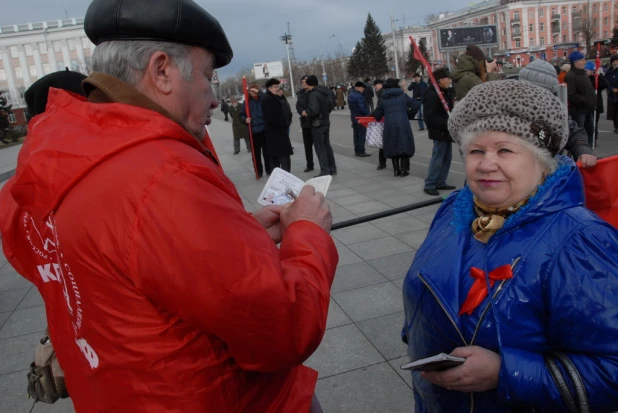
{"type": "Point", "coordinates": [418, 88]}
{"type": "Point", "coordinates": [225, 108]}
{"type": "Point", "coordinates": [368, 93]}
{"type": "Point", "coordinates": [398, 138]}
{"type": "Point", "coordinates": [612, 92]}
{"type": "Point", "coordinates": [378, 86]}
{"type": "Point", "coordinates": [302, 102]}
{"type": "Point", "coordinates": [239, 128]}
{"type": "Point", "coordinates": [358, 107]}
{"type": "Point", "coordinates": [318, 114]}
{"type": "Point", "coordinates": [277, 146]}
{"type": "Point", "coordinates": [436, 118]}
{"type": "Point", "coordinates": [582, 100]}
{"type": "Point", "coordinates": [257, 124]}
{"type": "Point", "coordinates": [286, 108]}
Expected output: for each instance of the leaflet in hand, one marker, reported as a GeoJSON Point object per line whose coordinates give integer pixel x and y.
{"type": "Point", "coordinates": [438, 362]}
{"type": "Point", "coordinates": [283, 187]}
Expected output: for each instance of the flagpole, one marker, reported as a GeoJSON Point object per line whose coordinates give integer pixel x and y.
{"type": "Point", "coordinates": [246, 92]}
{"type": "Point", "coordinates": [419, 56]}
{"type": "Point", "coordinates": [597, 65]}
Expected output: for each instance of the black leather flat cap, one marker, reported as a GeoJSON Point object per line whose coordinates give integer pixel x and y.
{"type": "Point", "coordinates": [178, 21]}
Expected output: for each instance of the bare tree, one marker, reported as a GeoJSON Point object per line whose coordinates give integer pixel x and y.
{"type": "Point", "coordinates": [586, 24]}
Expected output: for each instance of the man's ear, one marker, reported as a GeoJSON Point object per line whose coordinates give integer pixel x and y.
{"type": "Point", "coordinates": [159, 72]}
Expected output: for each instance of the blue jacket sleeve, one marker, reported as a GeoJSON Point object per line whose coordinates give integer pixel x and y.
{"type": "Point", "coordinates": [581, 301]}
{"type": "Point", "coordinates": [243, 113]}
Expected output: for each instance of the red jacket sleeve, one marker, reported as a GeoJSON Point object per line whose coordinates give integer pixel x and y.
{"type": "Point", "coordinates": [197, 253]}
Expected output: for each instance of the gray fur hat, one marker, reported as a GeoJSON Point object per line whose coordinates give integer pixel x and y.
{"type": "Point", "coordinates": [518, 108]}
{"type": "Point", "coordinates": [540, 73]}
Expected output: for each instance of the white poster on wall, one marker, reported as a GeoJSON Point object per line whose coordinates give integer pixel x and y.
{"type": "Point", "coordinates": [267, 70]}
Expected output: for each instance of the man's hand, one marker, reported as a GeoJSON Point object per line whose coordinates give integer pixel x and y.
{"type": "Point", "coordinates": [615, 90]}
{"type": "Point", "coordinates": [304, 113]}
{"type": "Point", "coordinates": [479, 373]}
{"type": "Point", "coordinates": [587, 161]}
{"type": "Point", "coordinates": [309, 206]}
{"type": "Point", "coordinates": [269, 218]}
{"type": "Point", "coordinates": [248, 120]}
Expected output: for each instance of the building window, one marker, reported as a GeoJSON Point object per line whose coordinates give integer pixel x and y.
{"type": "Point", "coordinates": [71, 44]}
{"type": "Point", "coordinates": [43, 48]}
{"type": "Point", "coordinates": [46, 68]}
{"type": "Point", "coordinates": [605, 7]}
{"type": "Point", "coordinates": [541, 27]}
{"type": "Point", "coordinates": [564, 38]}
{"type": "Point", "coordinates": [14, 54]}
{"type": "Point", "coordinates": [594, 8]}
{"type": "Point", "coordinates": [504, 45]}
{"type": "Point", "coordinates": [493, 19]}
{"type": "Point", "coordinates": [28, 50]}
{"type": "Point", "coordinates": [542, 41]}
{"type": "Point", "coordinates": [2, 74]}
{"type": "Point", "coordinates": [555, 39]}
{"type": "Point", "coordinates": [12, 118]}
{"type": "Point", "coordinates": [531, 41]}
{"type": "Point", "coordinates": [564, 25]}
{"type": "Point", "coordinates": [531, 14]}
{"type": "Point", "coordinates": [541, 12]}
{"type": "Point", "coordinates": [18, 73]}
{"type": "Point", "coordinates": [531, 27]}
{"type": "Point", "coordinates": [564, 11]}
{"type": "Point", "coordinates": [516, 15]}
{"type": "Point", "coordinates": [553, 10]}
{"type": "Point", "coordinates": [502, 17]}
{"type": "Point", "coordinates": [503, 32]}
{"type": "Point", "coordinates": [517, 43]}
{"type": "Point", "coordinates": [32, 70]}
{"type": "Point", "coordinates": [57, 47]}
{"type": "Point", "coordinates": [594, 21]}
{"type": "Point", "coordinates": [605, 21]}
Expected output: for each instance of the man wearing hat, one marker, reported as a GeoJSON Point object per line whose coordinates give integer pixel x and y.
{"type": "Point", "coordinates": [468, 73]}
{"type": "Point", "coordinates": [582, 100]}
{"type": "Point", "coordinates": [302, 102]}
{"type": "Point", "coordinates": [436, 118]}
{"type": "Point", "coordinates": [277, 146]}
{"type": "Point", "coordinates": [162, 292]}
{"type": "Point", "coordinates": [612, 92]}
{"type": "Point", "coordinates": [257, 124]}
{"type": "Point", "coordinates": [358, 107]}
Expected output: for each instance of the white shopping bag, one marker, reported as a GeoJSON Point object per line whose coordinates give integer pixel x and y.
{"type": "Point", "coordinates": [375, 134]}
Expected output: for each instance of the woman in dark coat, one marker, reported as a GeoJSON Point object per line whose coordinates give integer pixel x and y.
{"type": "Point", "coordinates": [398, 139]}
{"type": "Point", "coordinates": [277, 145]}
{"type": "Point", "coordinates": [239, 128]}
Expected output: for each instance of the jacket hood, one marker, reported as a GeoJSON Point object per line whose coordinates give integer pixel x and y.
{"type": "Point", "coordinates": [561, 190]}
{"type": "Point", "coordinates": [392, 92]}
{"type": "Point", "coordinates": [322, 89]}
{"type": "Point", "coordinates": [55, 157]}
{"type": "Point", "coordinates": [465, 64]}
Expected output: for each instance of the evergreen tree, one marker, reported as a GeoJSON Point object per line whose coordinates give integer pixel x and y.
{"type": "Point", "coordinates": [423, 49]}
{"type": "Point", "coordinates": [357, 66]}
{"type": "Point", "coordinates": [374, 48]}
{"type": "Point", "coordinates": [615, 37]}
{"type": "Point", "coordinates": [411, 63]}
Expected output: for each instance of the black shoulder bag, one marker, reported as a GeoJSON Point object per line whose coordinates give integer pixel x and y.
{"type": "Point", "coordinates": [579, 402]}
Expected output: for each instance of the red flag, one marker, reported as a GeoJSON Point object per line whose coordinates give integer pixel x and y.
{"type": "Point", "coordinates": [419, 56]}
{"type": "Point", "coordinates": [246, 92]}
{"type": "Point", "coordinates": [601, 190]}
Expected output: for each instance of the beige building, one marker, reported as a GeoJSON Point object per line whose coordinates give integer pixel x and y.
{"type": "Point", "coordinates": [30, 51]}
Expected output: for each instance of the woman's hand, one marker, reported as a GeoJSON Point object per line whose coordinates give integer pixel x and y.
{"type": "Point", "coordinates": [479, 373]}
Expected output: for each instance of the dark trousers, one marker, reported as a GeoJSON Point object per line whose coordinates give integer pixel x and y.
{"type": "Point", "coordinates": [439, 164]}
{"type": "Point", "coordinates": [258, 145]}
{"type": "Point", "coordinates": [370, 105]}
{"type": "Point", "coordinates": [308, 141]}
{"type": "Point", "coordinates": [419, 116]}
{"type": "Point", "coordinates": [612, 111]}
{"type": "Point", "coordinates": [360, 133]}
{"type": "Point", "coordinates": [326, 157]}
{"type": "Point", "coordinates": [225, 113]}
{"type": "Point", "coordinates": [237, 144]}
{"type": "Point", "coordinates": [381, 158]}
{"type": "Point", "coordinates": [283, 162]}
{"type": "Point", "coordinates": [584, 120]}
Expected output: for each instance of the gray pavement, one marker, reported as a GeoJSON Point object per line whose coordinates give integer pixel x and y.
{"type": "Point", "coordinates": [361, 351]}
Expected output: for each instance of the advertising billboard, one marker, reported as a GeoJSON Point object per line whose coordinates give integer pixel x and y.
{"type": "Point", "coordinates": [267, 70]}
{"type": "Point", "coordinates": [460, 37]}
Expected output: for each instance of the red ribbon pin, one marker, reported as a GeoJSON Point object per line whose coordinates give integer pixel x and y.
{"type": "Point", "coordinates": [478, 292]}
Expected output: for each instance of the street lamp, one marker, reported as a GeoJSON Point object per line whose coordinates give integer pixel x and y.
{"type": "Point", "coordinates": [394, 43]}
{"type": "Point", "coordinates": [287, 39]}
{"type": "Point", "coordinates": [322, 57]}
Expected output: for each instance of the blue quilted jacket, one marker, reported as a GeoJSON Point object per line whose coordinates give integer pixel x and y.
{"type": "Point", "coordinates": [563, 296]}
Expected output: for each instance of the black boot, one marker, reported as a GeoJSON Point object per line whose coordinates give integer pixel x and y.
{"type": "Point", "coordinates": [405, 166]}
{"type": "Point", "coordinates": [396, 166]}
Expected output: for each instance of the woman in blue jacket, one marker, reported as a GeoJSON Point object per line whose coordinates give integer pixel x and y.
{"type": "Point", "coordinates": [514, 267]}
{"type": "Point", "coordinates": [398, 141]}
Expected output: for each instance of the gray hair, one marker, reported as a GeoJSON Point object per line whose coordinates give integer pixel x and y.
{"type": "Point", "coordinates": [127, 59]}
{"type": "Point", "coordinates": [543, 157]}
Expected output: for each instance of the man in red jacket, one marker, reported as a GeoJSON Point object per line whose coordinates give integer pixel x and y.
{"type": "Point", "coordinates": [162, 293]}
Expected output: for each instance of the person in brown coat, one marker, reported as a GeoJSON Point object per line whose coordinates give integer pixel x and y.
{"type": "Point", "coordinates": [239, 128]}
{"type": "Point", "coordinates": [340, 99]}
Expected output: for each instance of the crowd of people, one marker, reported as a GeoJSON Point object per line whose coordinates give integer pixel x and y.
{"type": "Point", "coordinates": [163, 294]}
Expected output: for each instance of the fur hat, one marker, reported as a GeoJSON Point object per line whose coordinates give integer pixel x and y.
{"type": "Point", "coordinates": [441, 73]}
{"type": "Point", "coordinates": [359, 84]}
{"type": "Point", "coordinates": [378, 82]}
{"type": "Point", "coordinates": [613, 58]}
{"type": "Point", "coordinates": [517, 108]}
{"type": "Point", "coordinates": [565, 67]}
{"type": "Point", "coordinates": [540, 73]}
{"type": "Point", "coordinates": [575, 56]}
{"type": "Point", "coordinates": [391, 83]}
{"type": "Point", "coordinates": [475, 52]}
{"type": "Point", "coordinates": [312, 80]}
{"type": "Point", "coordinates": [254, 86]}
{"type": "Point", "coordinates": [271, 82]}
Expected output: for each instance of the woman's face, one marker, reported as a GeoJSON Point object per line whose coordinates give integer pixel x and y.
{"type": "Point", "coordinates": [499, 170]}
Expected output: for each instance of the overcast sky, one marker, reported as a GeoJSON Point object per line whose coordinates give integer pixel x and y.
{"type": "Point", "coordinates": [254, 30]}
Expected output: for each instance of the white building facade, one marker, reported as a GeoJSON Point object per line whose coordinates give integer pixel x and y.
{"type": "Point", "coordinates": [401, 44]}
{"type": "Point", "coordinates": [32, 50]}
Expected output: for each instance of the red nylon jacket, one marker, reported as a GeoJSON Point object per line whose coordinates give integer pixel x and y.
{"type": "Point", "coordinates": [162, 293]}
